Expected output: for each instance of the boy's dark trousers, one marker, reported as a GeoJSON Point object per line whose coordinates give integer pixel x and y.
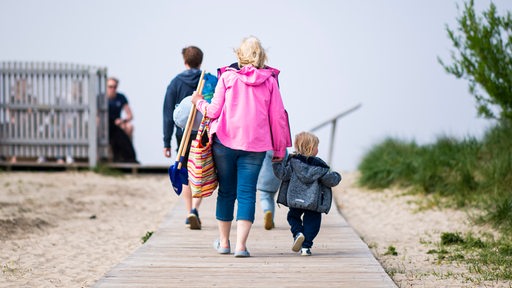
{"type": "Point", "coordinates": [309, 225]}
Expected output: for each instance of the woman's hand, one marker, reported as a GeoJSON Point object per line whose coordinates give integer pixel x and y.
{"type": "Point", "coordinates": [196, 96]}
{"type": "Point", "coordinates": [277, 159]}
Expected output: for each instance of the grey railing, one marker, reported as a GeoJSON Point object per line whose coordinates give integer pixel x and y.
{"type": "Point", "coordinates": [333, 122]}
{"type": "Point", "coordinates": [53, 110]}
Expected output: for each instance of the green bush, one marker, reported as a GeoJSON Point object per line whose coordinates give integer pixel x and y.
{"type": "Point", "coordinates": [391, 162]}
{"type": "Point", "coordinates": [463, 172]}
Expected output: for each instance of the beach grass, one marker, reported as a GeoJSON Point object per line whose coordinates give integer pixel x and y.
{"type": "Point", "coordinates": [485, 256]}
{"type": "Point", "coordinates": [107, 171]}
{"type": "Point", "coordinates": [470, 174]}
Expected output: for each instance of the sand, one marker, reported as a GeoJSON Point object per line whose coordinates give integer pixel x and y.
{"type": "Point", "coordinates": [394, 218]}
{"type": "Point", "coordinates": [67, 229]}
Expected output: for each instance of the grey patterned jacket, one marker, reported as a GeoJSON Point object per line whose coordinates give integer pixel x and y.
{"type": "Point", "coordinates": [306, 183]}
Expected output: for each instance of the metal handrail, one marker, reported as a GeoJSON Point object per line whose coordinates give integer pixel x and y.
{"type": "Point", "coordinates": [333, 128]}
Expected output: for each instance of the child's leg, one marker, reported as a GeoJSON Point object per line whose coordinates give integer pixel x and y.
{"type": "Point", "coordinates": [268, 184]}
{"type": "Point", "coordinates": [295, 221]}
{"type": "Point", "coordinates": [267, 201]}
{"type": "Point", "coordinates": [312, 221]}
{"type": "Point", "coordinates": [268, 205]}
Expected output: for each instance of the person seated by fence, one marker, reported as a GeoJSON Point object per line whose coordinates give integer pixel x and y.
{"type": "Point", "coordinates": [120, 129]}
{"type": "Point", "coordinates": [118, 104]}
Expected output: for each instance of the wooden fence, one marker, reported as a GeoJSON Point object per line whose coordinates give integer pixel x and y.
{"type": "Point", "coordinates": [53, 110]}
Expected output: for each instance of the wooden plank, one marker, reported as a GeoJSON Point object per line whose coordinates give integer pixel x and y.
{"type": "Point", "coordinates": [178, 257]}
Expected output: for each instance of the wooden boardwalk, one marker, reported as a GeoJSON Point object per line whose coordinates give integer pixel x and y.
{"type": "Point", "coordinates": [178, 257]}
{"type": "Point", "coordinates": [132, 168]}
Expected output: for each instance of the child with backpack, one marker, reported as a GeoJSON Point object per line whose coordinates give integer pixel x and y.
{"type": "Point", "coordinates": [305, 190]}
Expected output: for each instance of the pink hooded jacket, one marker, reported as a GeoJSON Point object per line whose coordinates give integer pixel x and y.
{"type": "Point", "coordinates": [248, 112]}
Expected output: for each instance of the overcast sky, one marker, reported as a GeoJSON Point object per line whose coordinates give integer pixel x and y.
{"type": "Point", "coordinates": [332, 55]}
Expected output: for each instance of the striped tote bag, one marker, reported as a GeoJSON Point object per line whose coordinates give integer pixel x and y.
{"type": "Point", "coordinates": [201, 168]}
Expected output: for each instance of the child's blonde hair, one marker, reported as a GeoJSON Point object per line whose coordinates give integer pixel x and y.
{"type": "Point", "coordinates": [251, 52]}
{"type": "Point", "coordinates": [306, 143]}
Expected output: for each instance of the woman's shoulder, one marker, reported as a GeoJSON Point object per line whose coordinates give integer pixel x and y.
{"type": "Point", "coordinates": [228, 76]}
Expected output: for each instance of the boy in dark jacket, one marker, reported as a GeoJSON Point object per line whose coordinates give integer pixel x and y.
{"type": "Point", "coordinates": [181, 86]}
{"type": "Point", "coordinates": [306, 190]}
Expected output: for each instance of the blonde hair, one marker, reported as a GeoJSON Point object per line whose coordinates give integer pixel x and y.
{"type": "Point", "coordinates": [251, 52]}
{"type": "Point", "coordinates": [306, 143]}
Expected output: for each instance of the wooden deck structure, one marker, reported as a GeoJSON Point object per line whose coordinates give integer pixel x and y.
{"type": "Point", "coordinates": [178, 257]}
{"type": "Point", "coordinates": [53, 111]}
{"type": "Point", "coordinates": [132, 168]}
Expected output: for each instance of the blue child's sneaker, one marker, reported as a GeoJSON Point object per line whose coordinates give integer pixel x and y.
{"type": "Point", "coordinates": [297, 242]}
{"type": "Point", "coordinates": [305, 252]}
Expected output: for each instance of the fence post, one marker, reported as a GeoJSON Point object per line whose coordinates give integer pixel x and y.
{"type": "Point", "coordinates": [93, 116]}
{"type": "Point", "coordinates": [331, 146]}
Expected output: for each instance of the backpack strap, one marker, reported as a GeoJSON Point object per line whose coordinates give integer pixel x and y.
{"type": "Point", "coordinates": [221, 70]}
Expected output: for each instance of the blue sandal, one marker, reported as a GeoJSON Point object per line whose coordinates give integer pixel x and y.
{"type": "Point", "coordinates": [221, 250]}
{"type": "Point", "coordinates": [243, 253]}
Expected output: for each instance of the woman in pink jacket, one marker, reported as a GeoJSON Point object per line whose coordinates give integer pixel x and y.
{"type": "Point", "coordinates": [248, 119]}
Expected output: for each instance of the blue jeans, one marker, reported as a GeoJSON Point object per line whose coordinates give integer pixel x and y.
{"type": "Point", "coordinates": [305, 221]}
{"type": "Point", "coordinates": [237, 172]}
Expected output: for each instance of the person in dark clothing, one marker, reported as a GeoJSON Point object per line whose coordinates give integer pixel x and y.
{"type": "Point", "coordinates": [305, 190]}
{"type": "Point", "coordinates": [117, 104]}
{"type": "Point", "coordinates": [120, 129]}
{"type": "Point", "coordinates": [122, 147]}
{"type": "Point", "coordinates": [181, 86]}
